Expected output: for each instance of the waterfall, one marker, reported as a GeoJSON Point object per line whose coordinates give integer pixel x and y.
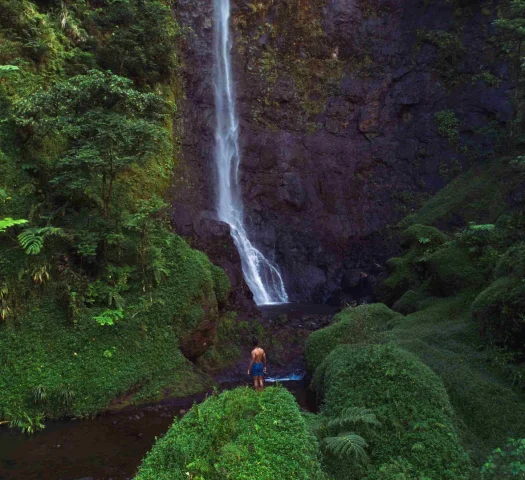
{"type": "Point", "coordinates": [262, 275]}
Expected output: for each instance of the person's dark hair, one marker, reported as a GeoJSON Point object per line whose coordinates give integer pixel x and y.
{"type": "Point", "coordinates": [255, 341]}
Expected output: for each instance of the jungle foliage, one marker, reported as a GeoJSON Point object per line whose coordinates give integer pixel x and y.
{"type": "Point", "coordinates": [93, 285]}
{"type": "Point", "coordinates": [238, 434]}
{"type": "Point", "coordinates": [411, 406]}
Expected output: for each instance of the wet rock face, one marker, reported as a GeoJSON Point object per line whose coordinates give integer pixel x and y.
{"type": "Point", "coordinates": [337, 102]}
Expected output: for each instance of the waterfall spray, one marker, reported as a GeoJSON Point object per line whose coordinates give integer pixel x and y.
{"type": "Point", "coordinates": [262, 276]}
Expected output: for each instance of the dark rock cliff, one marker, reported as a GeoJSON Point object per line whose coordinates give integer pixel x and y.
{"type": "Point", "coordinates": [352, 112]}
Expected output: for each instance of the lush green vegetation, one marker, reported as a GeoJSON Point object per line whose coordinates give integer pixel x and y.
{"type": "Point", "coordinates": [93, 285]}
{"type": "Point", "coordinates": [239, 434]}
{"type": "Point", "coordinates": [416, 437]}
{"type": "Point", "coordinates": [351, 326]}
{"type": "Point", "coordinates": [97, 295]}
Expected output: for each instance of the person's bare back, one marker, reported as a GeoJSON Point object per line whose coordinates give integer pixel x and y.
{"type": "Point", "coordinates": [257, 367]}
{"type": "Point", "coordinates": [258, 355]}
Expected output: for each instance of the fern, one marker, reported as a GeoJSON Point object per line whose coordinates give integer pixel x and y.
{"type": "Point", "coordinates": [32, 239]}
{"type": "Point", "coordinates": [354, 415]}
{"type": "Point", "coordinates": [346, 445]}
{"type": "Point", "coordinates": [8, 69]}
{"type": "Point", "coordinates": [6, 223]}
{"type": "Point", "coordinates": [31, 242]}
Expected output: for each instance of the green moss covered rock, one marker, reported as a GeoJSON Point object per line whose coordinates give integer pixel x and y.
{"type": "Point", "coordinates": [240, 434]}
{"type": "Point", "coordinates": [499, 311]}
{"type": "Point", "coordinates": [352, 325]}
{"type": "Point", "coordinates": [221, 282]}
{"type": "Point", "coordinates": [416, 439]}
{"type": "Point", "coordinates": [452, 269]}
{"type": "Point", "coordinates": [408, 303]}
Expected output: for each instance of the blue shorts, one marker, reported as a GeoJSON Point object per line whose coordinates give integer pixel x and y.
{"type": "Point", "coordinates": [257, 370]}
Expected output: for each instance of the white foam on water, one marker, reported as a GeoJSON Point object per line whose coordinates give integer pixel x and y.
{"type": "Point", "coordinates": [294, 377]}
{"type": "Point", "coordinates": [262, 275]}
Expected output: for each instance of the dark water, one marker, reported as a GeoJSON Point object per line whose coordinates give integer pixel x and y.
{"type": "Point", "coordinates": [297, 310]}
{"type": "Point", "coordinates": [112, 446]}
{"type": "Point", "coordinates": [108, 447]}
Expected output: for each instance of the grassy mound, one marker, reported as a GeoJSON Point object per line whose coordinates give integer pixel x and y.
{"type": "Point", "coordinates": [416, 438]}
{"type": "Point", "coordinates": [52, 366]}
{"type": "Point", "coordinates": [352, 325]}
{"type": "Point", "coordinates": [240, 434]}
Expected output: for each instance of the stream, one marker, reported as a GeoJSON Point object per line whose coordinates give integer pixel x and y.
{"type": "Point", "coordinates": [111, 446]}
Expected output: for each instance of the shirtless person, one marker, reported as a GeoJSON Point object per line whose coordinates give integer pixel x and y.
{"type": "Point", "coordinates": [257, 367]}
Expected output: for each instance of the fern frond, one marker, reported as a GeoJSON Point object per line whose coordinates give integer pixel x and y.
{"type": "Point", "coordinates": [355, 415]}
{"type": "Point", "coordinates": [30, 241]}
{"type": "Point", "coordinates": [6, 223]}
{"type": "Point", "coordinates": [346, 445]}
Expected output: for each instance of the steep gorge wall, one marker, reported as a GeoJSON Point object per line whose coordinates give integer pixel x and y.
{"type": "Point", "coordinates": [337, 101]}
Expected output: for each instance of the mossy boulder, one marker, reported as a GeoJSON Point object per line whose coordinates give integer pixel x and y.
{"type": "Point", "coordinates": [417, 438]}
{"type": "Point", "coordinates": [499, 310]}
{"type": "Point", "coordinates": [402, 277]}
{"type": "Point", "coordinates": [352, 325]}
{"type": "Point", "coordinates": [408, 303]}
{"type": "Point", "coordinates": [240, 434]}
{"type": "Point", "coordinates": [451, 270]}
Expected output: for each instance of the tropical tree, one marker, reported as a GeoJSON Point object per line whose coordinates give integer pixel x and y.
{"type": "Point", "coordinates": [96, 128]}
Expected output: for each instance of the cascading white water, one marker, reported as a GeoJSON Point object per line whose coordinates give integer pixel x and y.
{"type": "Point", "coordinates": [262, 276]}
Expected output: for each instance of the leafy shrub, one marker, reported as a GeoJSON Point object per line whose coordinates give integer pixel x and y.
{"type": "Point", "coordinates": [506, 463]}
{"type": "Point", "coordinates": [408, 272]}
{"type": "Point", "coordinates": [240, 434]}
{"type": "Point", "coordinates": [448, 124]}
{"type": "Point", "coordinates": [416, 438]}
{"type": "Point", "coordinates": [352, 325]}
{"type": "Point", "coordinates": [512, 263]}
{"type": "Point", "coordinates": [421, 236]}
